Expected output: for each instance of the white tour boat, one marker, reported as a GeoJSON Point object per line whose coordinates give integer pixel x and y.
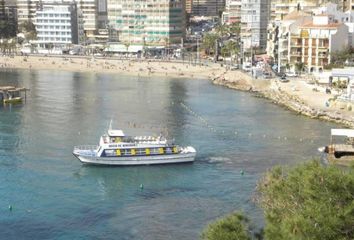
{"type": "Point", "coordinates": [117, 149]}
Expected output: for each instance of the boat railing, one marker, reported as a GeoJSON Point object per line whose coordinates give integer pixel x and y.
{"type": "Point", "coordinates": [86, 147]}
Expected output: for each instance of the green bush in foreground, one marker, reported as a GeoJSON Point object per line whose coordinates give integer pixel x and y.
{"type": "Point", "coordinates": [234, 226]}
{"type": "Point", "coordinates": [309, 201]}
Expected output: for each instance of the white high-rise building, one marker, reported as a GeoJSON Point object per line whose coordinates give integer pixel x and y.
{"type": "Point", "coordinates": [58, 24]}
{"type": "Point", "coordinates": [26, 11]}
{"type": "Point", "coordinates": [254, 20]}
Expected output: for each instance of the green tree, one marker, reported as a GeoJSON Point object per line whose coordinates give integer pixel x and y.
{"type": "Point", "coordinates": [340, 57]}
{"type": "Point", "coordinates": [308, 202]}
{"type": "Point", "coordinates": [208, 43]}
{"type": "Point", "coordinates": [29, 29]}
{"type": "Point", "coordinates": [230, 48]}
{"type": "Point", "coordinates": [233, 227]}
{"type": "Point", "coordinates": [127, 45]}
{"type": "Point", "coordinates": [222, 30]}
{"type": "Point", "coordinates": [235, 29]}
{"type": "Point", "coordinates": [299, 66]}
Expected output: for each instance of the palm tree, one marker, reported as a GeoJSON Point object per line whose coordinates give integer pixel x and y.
{"type": "Point", "coordinates": [208, 43]}
{"type": "Point", "coordinates": [235, 29]}
{"type": "Point", "coordinates": [222, 30]}
{"type": "Point", "coordinates": [127, 46]}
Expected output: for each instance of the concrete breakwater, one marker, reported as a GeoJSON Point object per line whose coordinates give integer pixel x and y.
{"type": "Point", "coordinates": [269, 89]}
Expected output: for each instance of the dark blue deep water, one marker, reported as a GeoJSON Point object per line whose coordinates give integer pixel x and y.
{"type": "Point", "coordinates": [54, 196]}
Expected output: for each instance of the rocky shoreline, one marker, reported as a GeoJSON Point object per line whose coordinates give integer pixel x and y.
{"type": "Point", "coordinates": [282, 98]}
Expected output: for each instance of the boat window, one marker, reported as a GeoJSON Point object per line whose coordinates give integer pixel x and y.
{"type": "Point", "coordinates": [126, 152]}
{"type": "Point", "coordinates": [154, 151]}
{"type": "Point", "coordinates": [140, 151]}
{"type": "Point", "coordinates": [109, 152]}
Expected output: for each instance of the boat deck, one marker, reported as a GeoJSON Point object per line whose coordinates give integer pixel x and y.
{"type": "Point", "coordinates": [344, 148]}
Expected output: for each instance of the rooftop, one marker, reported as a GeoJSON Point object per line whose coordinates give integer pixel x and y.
{"type": "Point", "coordinates": [295, 15]}
{"type": "Point", "coordinates": [323, 26]}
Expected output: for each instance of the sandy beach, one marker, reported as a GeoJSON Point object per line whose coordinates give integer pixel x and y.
{"type": "Point", "coordinates": [125, 66]}
{"type": "Point", "coordinates": [297, 95]}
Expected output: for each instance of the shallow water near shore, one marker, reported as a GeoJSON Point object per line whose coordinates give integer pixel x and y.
{"type": "Point", "coordinates": [54, 196]}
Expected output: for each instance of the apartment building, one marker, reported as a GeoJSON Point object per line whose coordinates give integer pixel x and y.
{"type": "Point", "coordinates": [315, 41]}
{"type": "Point", "coordinates": [153, 22]}
{"type": "Point", "coordinates": [58, 24]}
{"type": "Point", "coordinates": [254, 20]}
{"type": "Point", "coordinates": [8, 12]}
{"type": "Point", "coordinates": [280, 8]}
{"type": "Point", "coordinates": [189, 6]}
{"type": "Point", "coordinates": [207, 8]}
{"type": "Point", "coordinates": [280, 50]}
{"type": "Point", "coordinates": [89, 10]}
{"type": "Point", "coordinates": [26, 10]}
{"type": "Point", "coordinates": [308, 39]}
{"type": "Point", "coordinates": [232, 13]}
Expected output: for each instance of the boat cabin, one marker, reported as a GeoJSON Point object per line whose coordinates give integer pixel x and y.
{"type": "Point", "coordinates": [10, 94]}
{"type": "Point", "coordinates": [342, 142]}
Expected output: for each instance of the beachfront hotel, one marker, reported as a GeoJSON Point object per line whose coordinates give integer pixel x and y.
{"type": "Point", "coordinates": [26, 10]}
{"type": "Point", "coordinates": [58, 24]}
{"type": "Point", "coordinates": [151, 22]}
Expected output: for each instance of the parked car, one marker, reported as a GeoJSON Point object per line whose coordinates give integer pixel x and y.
{"type": "Point", "coordinates": [234, 67]}
{"type": "Point", "coordinates": [247, 67]}
{"type": "Point", "coordinates": [267, 75]}
{"type": "Point", "coordinates": [283, 79]}
{"type": "Point", "coordinates": [291, 74]}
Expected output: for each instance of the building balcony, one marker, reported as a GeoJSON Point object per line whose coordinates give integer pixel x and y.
{"type": "Point", "coordinates": [324, 46]}
{"type": "Point", "coordinates": [283, 57]}
{"type": "Point", "coordinates": [322, 56]}
{"type": "Point", "coordinates": [297, 54]}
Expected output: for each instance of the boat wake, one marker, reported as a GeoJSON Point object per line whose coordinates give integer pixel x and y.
{"type": "Point", "coordinates": [219, 160]}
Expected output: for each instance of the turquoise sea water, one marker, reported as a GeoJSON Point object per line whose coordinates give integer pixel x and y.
{"type": "Point", "coordinates": [54, 196]}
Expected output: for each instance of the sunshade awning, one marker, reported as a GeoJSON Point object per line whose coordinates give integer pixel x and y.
{"type": "Point", "coordinates": [343, 132]}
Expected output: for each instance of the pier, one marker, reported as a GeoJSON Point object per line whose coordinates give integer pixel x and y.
{"type": "Point", "coordinates": [11, 94]}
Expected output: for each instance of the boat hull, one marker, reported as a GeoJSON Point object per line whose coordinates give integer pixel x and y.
{"type": "Point", "coordinates": [345, 160]}
{"type": "Point", "coordinates": [13, 100]}
{"type": "Point", "coordinates": [138, 160]}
